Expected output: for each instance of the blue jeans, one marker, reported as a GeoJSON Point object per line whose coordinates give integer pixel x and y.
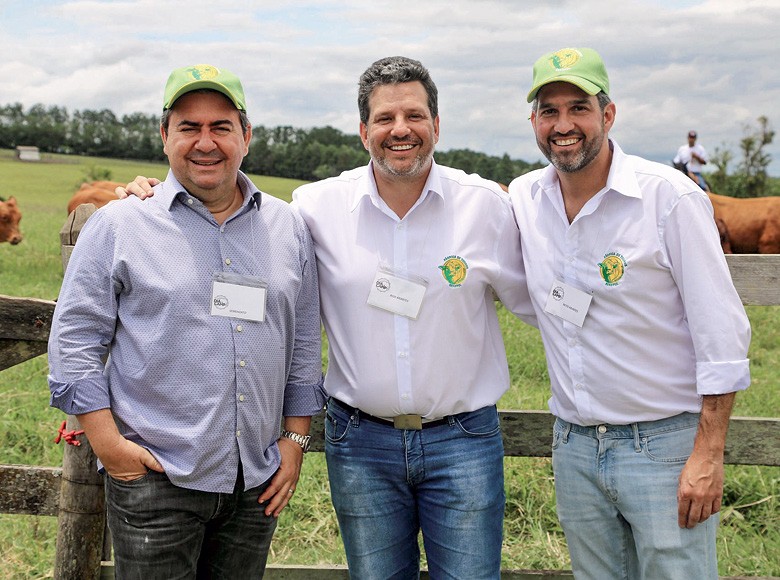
{"type": "Point", "coordinates": [616, 488]}
{"type": "Point", "coordinates": [388, 484]}
{"type": "Point", "coordinates": [161, 531]}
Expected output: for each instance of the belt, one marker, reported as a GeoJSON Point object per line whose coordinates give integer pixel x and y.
{"type": "Point", "coordinates": [399, 422]}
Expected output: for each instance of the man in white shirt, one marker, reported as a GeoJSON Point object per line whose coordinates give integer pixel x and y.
{"type": "Point", "coordinates": [692, 156]}
{"type": "Point", "coordinates": [409, 254]}
{"type": "Point", "coordinates": [645, 336]}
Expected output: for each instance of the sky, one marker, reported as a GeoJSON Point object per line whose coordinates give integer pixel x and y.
{"type": "Point", "coordinates": [674, 65]}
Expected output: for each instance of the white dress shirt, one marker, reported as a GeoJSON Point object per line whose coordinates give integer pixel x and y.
{"type": "Point", "coordinates": [451, 358]}
{"type": "Point", "coordinates": [685, 155]}
{"type": "Point", "coordinates": [671, 329]}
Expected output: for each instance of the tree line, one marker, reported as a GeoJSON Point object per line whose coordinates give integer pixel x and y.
{"type": "Point", "coordinates": [283, 151]}
{"type": "Point", "coordinates": [313, 154]}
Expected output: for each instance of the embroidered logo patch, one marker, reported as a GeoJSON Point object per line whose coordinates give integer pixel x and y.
{"type": "Point", "coordinates": [203, 72]}
{"type": "Point", "coordinates": [454, 270]}
{"type": "Point", "coordinates": [613, 267]}
{"type": "Point", "coordinates": [565, 58]}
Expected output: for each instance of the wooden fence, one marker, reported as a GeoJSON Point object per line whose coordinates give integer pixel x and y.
{"type": "Point", "coordinates": [74, 491]}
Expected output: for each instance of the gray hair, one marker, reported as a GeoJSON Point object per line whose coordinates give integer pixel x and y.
{"type": "Point", "coordinates": [242, 116]}
{"type": "Point", "coordinates": [391, 71]}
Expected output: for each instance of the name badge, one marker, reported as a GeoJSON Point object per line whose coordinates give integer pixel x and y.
{"type": "Point", "coordinates": [397, 293]}
{"type": "Point", "coordinates": [243, 299]}
{"type": "Point", "coordinates": [567, 302]}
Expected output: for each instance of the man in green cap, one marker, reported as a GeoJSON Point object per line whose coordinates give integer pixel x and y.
{"type": "Point", "coordinates": [645, 336]}
{"type": "Point", "coordinates": [206, 296]}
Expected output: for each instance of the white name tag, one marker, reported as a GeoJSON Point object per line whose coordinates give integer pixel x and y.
{"type": "Point", "coordinates": [237, 301]}
{"type": "Point", "coordinates": [397, 294]}
{"type": "Point", "coordinates": [568, 302]}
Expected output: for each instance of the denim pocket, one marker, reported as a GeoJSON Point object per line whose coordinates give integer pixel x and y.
{"type": "Point", "coordinates": [336, 428]}
{"type": "Point", "coordinates": [673, 446]}
{"type": "Point", "coordinates": [557, 434]}
{"type": "Point", "coordinates": [480, 423]}
{"type": "Point", "coordinates": [130, 482]}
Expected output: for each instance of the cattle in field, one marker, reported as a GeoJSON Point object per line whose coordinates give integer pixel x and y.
{"type": "Point", "coordinates": [98, 193]}
{"type": "Point", "coordinates": [752, 224]}
{"type": "Point", "coordinates": [10, 216]}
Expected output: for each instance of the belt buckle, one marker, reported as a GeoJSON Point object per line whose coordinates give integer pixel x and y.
{"type": "Point", "coordinates": [407, 422]}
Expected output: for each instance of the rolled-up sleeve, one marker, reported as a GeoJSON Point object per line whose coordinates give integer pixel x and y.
{"type": "Point", "coordinates": [84, 323]}
{"type": "Point", "coordinates": [304, 394]}
{"type": "Point", "coordinates": [718, 323]}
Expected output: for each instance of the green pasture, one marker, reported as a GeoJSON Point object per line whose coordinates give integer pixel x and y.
{"type": "Point", "coordinates": [749, 539]}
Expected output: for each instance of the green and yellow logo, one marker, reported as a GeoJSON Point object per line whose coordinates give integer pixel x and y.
{"type": "Point", "coordinates": [565, 58]}
{"type": "Point", "coordinates": [203, 72]}
{"type": "Point", "coordinates": [454, 270]}
{"type": "Point", "coordinates": [613, 268]}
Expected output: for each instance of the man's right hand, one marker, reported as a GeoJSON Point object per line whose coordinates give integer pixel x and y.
{"type": "Point", "coordinates": [121, 458]}
{"type": "Point", "coordinates": [140, 187]}
{"type": "Point", "coordinates": [127, 461]}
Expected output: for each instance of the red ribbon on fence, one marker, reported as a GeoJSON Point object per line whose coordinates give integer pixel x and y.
{"type": "Point", "coordinates": [68, 436]}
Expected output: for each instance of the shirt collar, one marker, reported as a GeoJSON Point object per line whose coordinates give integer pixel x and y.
{"type": "Point", "coordinates": [368, 188]}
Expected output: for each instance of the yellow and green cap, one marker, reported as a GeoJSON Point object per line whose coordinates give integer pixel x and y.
{"type": "Point", "coordinates": [581, 67]}
{"type": "Point", "coordinates": [203, 76]}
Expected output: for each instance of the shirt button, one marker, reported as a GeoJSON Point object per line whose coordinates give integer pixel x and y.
{"type": "Point", "coordinates": [239, 328]}
{"type": "Point", "coordinates": [189, 201]}
{"type": "Point", "coordinates": [402, 354]}
{"type": "Point", "coordinates": [602, 429]}
{"type": "Point", "coordinates": [242, 363]}
{"type": "Point", "coordinates": [241, 397]}
{"type": "Point", "coordinates": [227, 261]}
{"type": "Point", "coordinates": [572, 342]}
{"type": "Point", "coordinates": [578, 386]}
{"type": "Point", "coordinates": [404, 397]}
{"type": "Point", "coordinates": [238, 433]}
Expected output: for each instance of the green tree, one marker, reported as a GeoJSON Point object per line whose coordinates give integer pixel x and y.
{"type": "Point", "coordinates": [751, 178]}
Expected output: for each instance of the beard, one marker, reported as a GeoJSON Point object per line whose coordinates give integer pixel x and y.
{"type": "Point", "coordinates": [573, 163]}
{"type": "Point", "coordinates": [419, 164]}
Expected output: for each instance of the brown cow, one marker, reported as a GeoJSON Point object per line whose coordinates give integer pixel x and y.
{"type": "Point", "coordinates": [9, 221]}
{"type": "Point", "coordinates": [752, 224]}
{"type": "Point", "coordinates": [98, 193]}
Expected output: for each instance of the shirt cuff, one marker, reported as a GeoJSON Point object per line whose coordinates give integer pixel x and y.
{"type": "Point", "coordinates": [719, 378]}
{"type": "Point", "coordinates": [304, 400]}
{"type": "Point", "coordinates": [78, 398]}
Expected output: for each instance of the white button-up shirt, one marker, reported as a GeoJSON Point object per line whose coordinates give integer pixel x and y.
{"type": "Point", "coordinates": [451, 358]}
{"type": "Point", "coordinates": [665, 324]}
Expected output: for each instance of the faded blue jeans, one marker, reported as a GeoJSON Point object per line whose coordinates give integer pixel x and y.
{"type": "Point", "coordinates": [616, 488]}
{"type": "Point", "coordinates": [388, 484]}
{"type": "Point", "coordinates": [161, 531]}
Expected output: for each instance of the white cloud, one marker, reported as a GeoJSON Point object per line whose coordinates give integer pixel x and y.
{"type": "Point", "coordinates": [674, 64]}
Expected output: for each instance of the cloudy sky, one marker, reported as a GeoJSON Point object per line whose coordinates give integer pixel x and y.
{"type": "Point", "coordinates": [674, 65]}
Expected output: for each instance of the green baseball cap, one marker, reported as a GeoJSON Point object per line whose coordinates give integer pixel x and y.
{"type": "Point", "coordinates": [203, 76]}
{"type": "Point", "coordinates": [582, 67]}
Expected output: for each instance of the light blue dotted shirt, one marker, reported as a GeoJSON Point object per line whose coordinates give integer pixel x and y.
{"type": "Point", "coordinates": [201, 392]}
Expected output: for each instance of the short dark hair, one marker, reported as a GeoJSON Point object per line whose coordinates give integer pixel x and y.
{"type": "Point", "coordinates": [242, 116]}
{"type": "Point", "coordinates": [391, 71]}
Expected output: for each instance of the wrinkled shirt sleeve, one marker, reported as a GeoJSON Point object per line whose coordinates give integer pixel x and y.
{"type": "Point", "coordinates": [304, 394]}
{"type": "Point", "coordinates": [718, 323]}
{"type": "Point", "coordinates": [84, 323]}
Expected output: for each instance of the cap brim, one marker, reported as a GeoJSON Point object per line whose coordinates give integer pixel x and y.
{"type": "Point", "coordinates": [584, 84]}
{"type": "Point", "coordinates": [194, 86]}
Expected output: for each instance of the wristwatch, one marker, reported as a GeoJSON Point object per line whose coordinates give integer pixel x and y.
{"type": "Point", "coordinates": [302, 440]}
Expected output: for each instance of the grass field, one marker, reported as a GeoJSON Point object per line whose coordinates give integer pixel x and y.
{"type": "Point", "coordinates": [749, 539]}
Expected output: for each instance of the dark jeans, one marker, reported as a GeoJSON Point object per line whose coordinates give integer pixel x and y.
{"type": "Point", "coordinates": [163, 531]}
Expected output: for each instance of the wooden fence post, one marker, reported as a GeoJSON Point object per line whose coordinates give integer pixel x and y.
{"type": "Point", "coordinates": [81, 517]}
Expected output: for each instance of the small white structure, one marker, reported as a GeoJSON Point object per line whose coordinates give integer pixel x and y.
{"type": "Point", "coordinates": [27, 153]}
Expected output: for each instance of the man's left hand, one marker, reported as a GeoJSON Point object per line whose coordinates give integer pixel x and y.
{"type": "Point", "coordinates": [700, 491]}
{"type": "Point", "coordinates": [282, 487]}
